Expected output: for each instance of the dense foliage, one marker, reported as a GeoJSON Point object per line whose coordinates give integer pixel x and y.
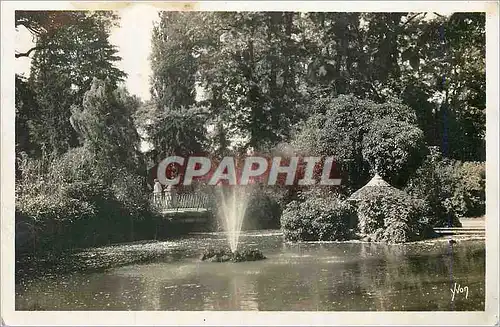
{"type": "Point", "coordinates": [71, 203]}
{"type": "Point", "coordinates": [394, 149]}
{"type": "Point", "coordinates": [453, 189]}
{"type": "Point", "coordinates": [72, 48]}
{"type": "Point", "coordinates": [364, 137]}
{"type": "Point", "coordinates": [389, 215]}
{"type": "Point", "coordinates": [78, 167]}
{"type": "Point", "coordinates": [263, 72]}
{"type": "Point", "coordinates": [92, 194]}
{"type": "Point", "coordinates": [104, 122]}
{"type": "Point", "coordinates": [318, 218]}
{"type": "Point", "coordinates": [263, 212]}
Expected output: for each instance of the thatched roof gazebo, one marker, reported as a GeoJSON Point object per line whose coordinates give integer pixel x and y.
{"type": "Point", "coordinates": [377, 182]}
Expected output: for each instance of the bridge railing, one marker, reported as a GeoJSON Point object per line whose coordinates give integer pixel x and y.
{"type": "Point", "coordinates": [174, 201]}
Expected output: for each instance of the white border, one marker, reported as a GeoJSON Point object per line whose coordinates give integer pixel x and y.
{"type": "Point", "coordinates": [217, 318]}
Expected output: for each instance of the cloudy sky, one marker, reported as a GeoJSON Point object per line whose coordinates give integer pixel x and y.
{"type": "Point", "coordinates": [132, 38]}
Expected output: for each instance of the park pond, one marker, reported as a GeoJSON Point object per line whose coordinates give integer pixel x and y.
{"type": "Point", "coordinates": [314, 276]}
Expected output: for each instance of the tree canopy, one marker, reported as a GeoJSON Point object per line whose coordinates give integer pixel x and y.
{"type": "Point", "coordinates": [260, 70]}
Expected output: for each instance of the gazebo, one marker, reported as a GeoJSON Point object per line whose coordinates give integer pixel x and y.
{"type": "Point", "coordinates": [376, 182]}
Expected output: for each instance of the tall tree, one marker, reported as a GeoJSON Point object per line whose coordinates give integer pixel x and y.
{"type": "Point", "coordinates": [71, 49]}
{"type": "Point", "coordinates": [172, 61]}
{"type": "Point", "coordinates": [172, 122]}
{"type": "Point", "coordinates": [104, 121]}
{"type": "Point", "coordinates": [251, 68]}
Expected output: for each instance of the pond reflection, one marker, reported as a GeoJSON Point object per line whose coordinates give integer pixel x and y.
{"type": "Point", "coordinates": [312, 276]}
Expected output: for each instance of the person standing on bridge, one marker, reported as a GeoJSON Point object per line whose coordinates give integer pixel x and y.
{"type": "Point", "coordinates": [157, 191]}
{"type": "Point", "coordinates": [170, 196]}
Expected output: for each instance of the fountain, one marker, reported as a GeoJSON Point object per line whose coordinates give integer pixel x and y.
{"type": "Point", "coordinates": [233, 203]}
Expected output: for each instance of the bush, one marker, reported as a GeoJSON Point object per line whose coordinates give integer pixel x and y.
{"type": "Point", "coordinates": [453, 189]}
{"type": "Point", "coordinates": [390, 215]}
{"type": "Point", "coordinates": [129, 189]}
{"type": "Point", "coordinates": [306, 135]}
{"type": "Point", "coordinates": [317, 218]}
{"type": "Point", "coordinates": [77, 201]}
{"type": "Point", "coordinates": [225, 254]}
{"type": "Point", "coordinates": [264, 207]}
{"type": "Point", "coordinates": [471, 182]}
{"type": "Point", "coordinates": [43, 193]}
{"type": "Point", "coordinates": [263, 212]}
{"type": "Point", "coordinates": [45, 207]}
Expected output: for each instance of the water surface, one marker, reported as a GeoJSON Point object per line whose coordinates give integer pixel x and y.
{"type": "Point", "coordinates": [310, 276]}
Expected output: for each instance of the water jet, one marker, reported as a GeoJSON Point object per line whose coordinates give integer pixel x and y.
{"type": "Point", "coordinates": [232, 206]}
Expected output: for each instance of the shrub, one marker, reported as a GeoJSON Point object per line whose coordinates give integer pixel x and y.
{"type": "Point", "coordinates": [42, 193]}
{"type": "Point", "coordinates": [470, 190]}
{"type": "Point", "coordinates": [45, 207]}
{"type": "Point", "coordinates": [317, 218]}
{"type": "Point", "coordinates": [453, 189]}
{"type": "Point", "coordinates": [263, 212]}
{"type": "Point", "coordinates": [306, 135]}
{"type": "Point", "coordinates": [76, 200]}
{"type": "Point", "coordinates": [390, 215]}
{"type": "Point", "coordinates": [129, 189]}
{"type": "Point", "coordinates": [78, 164]}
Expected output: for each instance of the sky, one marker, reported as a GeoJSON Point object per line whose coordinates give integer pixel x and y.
{"type": "Point", "coordinates": [133, 39]}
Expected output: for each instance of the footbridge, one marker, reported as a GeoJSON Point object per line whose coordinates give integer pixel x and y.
{"type": "Point", "coordinates": [183, 207]}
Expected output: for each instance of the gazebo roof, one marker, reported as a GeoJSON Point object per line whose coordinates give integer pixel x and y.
{"type": "Point", "coordinates": [376, 182]}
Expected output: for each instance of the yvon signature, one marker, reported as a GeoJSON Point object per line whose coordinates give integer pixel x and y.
{"type": "Point", "coordinates": [457, 289]}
